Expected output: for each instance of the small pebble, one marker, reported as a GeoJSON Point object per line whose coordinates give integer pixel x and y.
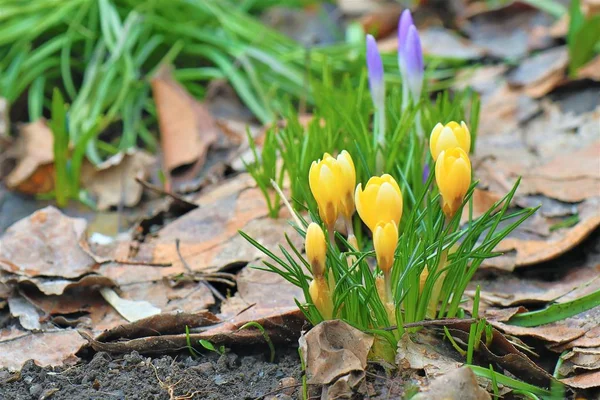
{"type": "Point", "coordinates": [206, 368]}
{"type": "Point", "coordinates": [35, 390]}
{"type": "Point", "coordinates": [28, 379]}
{"type": "Point", "coordinates": [219, 380]}
{"type": "Point", "coordinates": [289, 383]}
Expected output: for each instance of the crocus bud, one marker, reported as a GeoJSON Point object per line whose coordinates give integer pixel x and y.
{"type": "Point", "coordinates": [381, 201]}
{"type": "Point", "coordinates": [324, 182]}
{"type": "Point", "coordinates": [449, 136]}
{"type": "Point", "coordinates": [385, 239]}
{"type": "Point", "coordinates": [316, 248]}
{"type": "Point", "coordinates": [404, 23]}
{"type": "Point", "coordinates": [321, 297]}
{"type": "Point", "coordinates": [453, 177]}
{"type": "Point", "coordinates": [347, 184]}
{"type": "Point", "coordinates": [375, 70]}
{"type": "Point", "coordinates": [412, 56]}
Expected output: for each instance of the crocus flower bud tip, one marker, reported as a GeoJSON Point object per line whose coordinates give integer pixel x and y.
{"type": "Point", "coordinates": [453, 178]}
{"type": "Point", "coordinates": [375, 70]}
{"type": "Point", "coordinates": [444, 137]}
{"type": "Point", "coordinates": [412, 57]}
{"type": "Point", "coordinates": [316, 248]}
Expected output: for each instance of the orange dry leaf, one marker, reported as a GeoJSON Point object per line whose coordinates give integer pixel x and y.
{"type": "Point", "coordinates": [186, 127]}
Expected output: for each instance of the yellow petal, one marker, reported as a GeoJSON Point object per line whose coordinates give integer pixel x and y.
{"type": "Point", "coordinates": [385, 240]}
{"type": "Point", "coordinates": [453, 177]}
{"type": "Point", "coordinates": [316, 248]}
{"type": "Point", "coordinates": [347, 183]}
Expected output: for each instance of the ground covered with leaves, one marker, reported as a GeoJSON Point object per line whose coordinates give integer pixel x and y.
{"type": "Point", "coordinates": [132, 155]}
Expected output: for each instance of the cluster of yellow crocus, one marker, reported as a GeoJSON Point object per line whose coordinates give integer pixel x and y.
{"type": "Point", "coordinates": [450, 145]}
{"type": "Point", "coordinates": [332, 183]}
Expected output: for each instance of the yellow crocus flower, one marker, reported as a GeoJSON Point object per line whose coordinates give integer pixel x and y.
{"type": "Point", "coordinates": [347, 183]}
{"type": "Point", "coordinates": [316, 248]}
{"type": "Point", "coordinates": [324, 181]}
{"type": "Point", "coordinates": [385, 240]}
{"type": "Point", "coordinates": [449, 136]}
{"type": "Point", "coordinates": [381, 201]}
{"type": "Point", "coordinates": [453, 177]}
{"type": "Point", "coordinates": [321, 297]}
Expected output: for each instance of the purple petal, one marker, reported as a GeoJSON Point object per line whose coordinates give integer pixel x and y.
{"type": "Point", "coordinates": [413, 60]}
{"type": "Point", "coordinates": [425, 173]}
{"type": "Point", "coordinates": [375, 70]}
{"type": "Point", "coordinates": [403, 24]}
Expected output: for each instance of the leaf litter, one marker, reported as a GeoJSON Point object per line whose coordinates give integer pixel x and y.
{"type": "Point", "coordinates": [169, 269]}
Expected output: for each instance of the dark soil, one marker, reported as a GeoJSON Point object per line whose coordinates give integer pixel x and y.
{"type": "Point", "coordinates": [133, 376]}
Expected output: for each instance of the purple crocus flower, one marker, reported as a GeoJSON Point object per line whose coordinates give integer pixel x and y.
{"type": "Point", "coordinates": [425, 173]}
{"type": "Point", "coordinates": [412, 55]}
{"type": "Point", "coordinates": [404, 23]}
{"type": "Point", "coordinates": [375, 70]}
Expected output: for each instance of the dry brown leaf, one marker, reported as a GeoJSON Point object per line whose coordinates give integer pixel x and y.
{"type": "Point", "coordinates": [113, 182]}
{"type": "Point", "coordinates": [33, 150]}
{"type": "Point", "coordinates": [591, 70]}
{"type": "Point", "coordinates": [186, 127]}
{"type": "Point", "coordinates": [579, 360]}
{"type": "Point", "coordinates": [460, 384]}
{"type": "Point", "coordinates": [333, 349]}
{"type": "Point", "coordinates": [425, 351]}
{"type": "Point", "coordinates": [531, 251]}
{"type": "Point", "coordinates": [558, 332]}
{"type": "Point", "coordinates": [510, 31]}
{"type": "Point", "coordinates": [47, 243]}
{"type": "Point", "coordinates": [382, 21]}
{"type": "Point", "coordinates": [483, 79]}
{"type": "Point", "coordinates": [542, 72]}
{"type": "Point", "coordinates": [443, 43]}
{"type": "Point", "coordinates": [157, 334]}
{"type": "Point", "coordinates": [269, 292]}
{"type": "Point", "coordinates": [583, 381]}
{"type": "Point", "coordinates": [29, 318]}
{"type": "Point", "coordinates": [509, 290]}
{"type": "Point", "coordinates": [46, 349]}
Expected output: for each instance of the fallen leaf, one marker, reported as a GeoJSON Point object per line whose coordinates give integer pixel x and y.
{"type": "Point", "coordinates": [510, 290]}
{"type": "Point", "coordinates": [484, 79]}
{"type": "Point", "coordinates": [443, 43]}
{"type": "Point", "coordinates": [113, 182]}
{"type": "Point", "coordinates": [129, 309]}
{"type": "Point", "coordinates": [33, 150]}
{"type": "Point", "coordinates": [29, 318]}
{"type": "Point", "coordinates": [47, 243]}
{"type": "Point", "coordinates": [510, 31]}
{"type": "Point", "coordinates": [579, 360]}
{"type": "Point", "coordinates": [591, 70]}
{"type": "Point", "coordinates": [333, 349]}
{"type": "Point", "coordinates": [558, 332]}
{"type": "Point", "coordinates": [542, 72]}
{"type": "Point", "coordinates": [56, 286]}
{"type": "Point", "coordinates": [382, 20]}
{"type": "Point", "coordinates": [186, 127]}
{"type": "Point", "coordinates": [460, 384]}
{"type": "Point", "coordinates": [46, 349]}
{"type": "Point", "coordinates": [281, 329]}
{"type": "Point", "coordinates": [583, 381]}
{"type": "Point", "coordinates": [269, 293]}
{"type": "Point", "coordinates": [427, 352]}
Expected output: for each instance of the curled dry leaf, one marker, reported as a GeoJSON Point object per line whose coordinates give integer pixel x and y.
{"type": "Point", "coordinates": [46, 349]}
{"type": "Point", "coordinates": [425, 351]}
{"type": "Point", "coordinates": [114, 181]}
{"type": "Point", "coordinates": [131, 310]}
{"type": "Point", "coordinates": [583, 381]}
{"type": "Point", "coordinates": [33, 151]}
{"type": "Point", "coordinates": [458, 384]}
{"type": "Point", "coordinates": [281, 329]}
{"type": "Point", "coordinates": [333, 349]}
{"type": "Point", "coordinates": [510, 290]}
{"type": "Point", "coordinates": [47, 243]}
{"type": "Point", "coordinates": [186, 127]}
{"type": "Point", "coordinates": [579, 360]}
{"type": "Point", "coordinates": [443, 43]}
{"type": "Point", "coordinates": [542, 72]}
{"type": "Point", "coordinates": [269, 294]}
{"type": "Point", "coordinates": [510, 31]}
{"type": "Point", "coordinates": [559, 332]}
{"type": "Point", "coordinates": [28, 315]}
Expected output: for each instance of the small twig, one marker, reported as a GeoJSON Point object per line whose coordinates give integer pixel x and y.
{"type": "Point", "coordinates": [432, 322]}
{"type": "Point", "coordinates": [159, 190]}
{"type": "Point", "coordinates": [205, 282]}
{"type": "Point", "coordinates": [144, 263]}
